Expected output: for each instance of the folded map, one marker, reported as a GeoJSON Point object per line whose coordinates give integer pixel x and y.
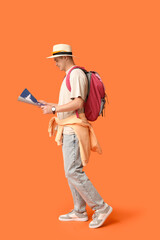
{"type": "Point", "coordinates": [27, 97]}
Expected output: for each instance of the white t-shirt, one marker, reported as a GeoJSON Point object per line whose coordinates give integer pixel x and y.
{"type": "Point", "coordinates": [79, 88]}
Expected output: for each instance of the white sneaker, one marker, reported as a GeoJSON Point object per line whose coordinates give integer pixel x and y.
{"type": "Point", "coordinates": [100, 216]}
{"type": "Point", "coordinates": [74, 216]}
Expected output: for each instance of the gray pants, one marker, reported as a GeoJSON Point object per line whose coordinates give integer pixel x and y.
{"type": "Point", "coordinates": [81, 187]}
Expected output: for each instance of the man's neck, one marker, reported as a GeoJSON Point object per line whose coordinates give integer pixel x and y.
{"type": "Point", "coordinates": [69, 66]}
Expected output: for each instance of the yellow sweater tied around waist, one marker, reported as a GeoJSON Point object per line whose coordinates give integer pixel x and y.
{"type": "Point", "coordinates": [84, 131]}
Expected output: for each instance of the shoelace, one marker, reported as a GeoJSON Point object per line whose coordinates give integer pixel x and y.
{"type": "Point", "coordinates": [94, 215]}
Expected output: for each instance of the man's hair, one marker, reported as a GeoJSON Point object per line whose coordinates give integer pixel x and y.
{"type": "Point", "coordinates": [70, 58]}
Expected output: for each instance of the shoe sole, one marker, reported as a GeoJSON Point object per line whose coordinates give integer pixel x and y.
{"type": "Point", "coordinates": [107, 215]}
{"type": "Point", "coordinates": [73, 219]}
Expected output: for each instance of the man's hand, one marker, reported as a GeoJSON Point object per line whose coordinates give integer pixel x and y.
{"type": "Point", "coordinates": [47, 109]}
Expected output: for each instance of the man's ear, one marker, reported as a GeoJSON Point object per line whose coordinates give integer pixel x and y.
{"type": "Point", "coordinates": [66, 58]}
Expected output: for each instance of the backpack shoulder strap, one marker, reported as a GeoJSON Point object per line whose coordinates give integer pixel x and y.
{"type": "Point", "coordinates": [68, 76]}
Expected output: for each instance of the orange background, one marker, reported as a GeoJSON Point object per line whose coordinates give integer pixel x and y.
{"type": "Point", "coordinates": [118, 39]}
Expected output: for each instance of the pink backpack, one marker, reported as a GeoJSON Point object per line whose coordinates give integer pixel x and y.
{"type": "Point", "coordinates": [95, 101]}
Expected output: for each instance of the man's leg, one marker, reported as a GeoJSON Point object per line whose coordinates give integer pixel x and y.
{"type": "Point", "coordinates": [76, 176]}
{"type": "Point", "coordinates": [68, 155]}
{"type": "Point", "coordinates": [79, 203]}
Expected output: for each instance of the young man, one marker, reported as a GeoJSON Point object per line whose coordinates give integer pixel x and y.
{"type": "Point", "coordinates": [76, 133]}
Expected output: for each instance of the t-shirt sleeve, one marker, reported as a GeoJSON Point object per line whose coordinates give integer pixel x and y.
{"type": "Point", "coordinates": [79, 84]}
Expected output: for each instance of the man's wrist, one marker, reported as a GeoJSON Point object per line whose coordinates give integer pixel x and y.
{"type": "Point", "coordinates": [53, 109]}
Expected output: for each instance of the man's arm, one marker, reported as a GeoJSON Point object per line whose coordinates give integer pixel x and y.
{"type": "Point", "coordinates": [75, 104]}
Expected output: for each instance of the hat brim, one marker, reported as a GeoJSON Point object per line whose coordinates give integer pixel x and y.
{"type": "Point", "coordinates": [60, 56]}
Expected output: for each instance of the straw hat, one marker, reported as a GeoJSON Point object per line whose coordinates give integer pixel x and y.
{"type": "Point", "coordinates": [61, 50]}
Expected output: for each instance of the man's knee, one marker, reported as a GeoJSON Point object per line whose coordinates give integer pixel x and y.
{"type": "Point", "coordinates": [72, 174]}
{"type": "Point", "coordinates": [69, 174]}
{"type": "Point", "coordinates": [76, 175]}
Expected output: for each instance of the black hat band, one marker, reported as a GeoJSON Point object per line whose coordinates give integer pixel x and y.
{"type": "Point", "coordinates": [62, 53]}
